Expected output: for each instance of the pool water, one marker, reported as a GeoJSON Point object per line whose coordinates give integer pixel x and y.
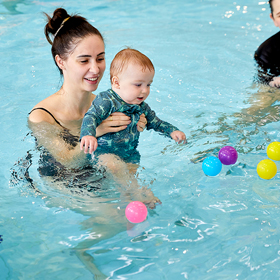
{"type": "Point", "coordinates": [223, 227]}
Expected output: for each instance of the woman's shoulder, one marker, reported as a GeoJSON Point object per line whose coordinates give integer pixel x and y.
{"type": "Point", "coordinates": [272, 42]}
{"type": "Point", "coordinates": [43, 111]}
{"type": "Point", "coordinates": [40, 114]}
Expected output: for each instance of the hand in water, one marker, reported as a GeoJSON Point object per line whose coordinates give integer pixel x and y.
{"type": "Point", "coordinates": [275, 82]}
{"type": "Point", "coordinates": [179, 136]}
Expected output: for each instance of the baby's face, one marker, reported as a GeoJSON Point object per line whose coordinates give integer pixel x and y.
{"type": "Point", "coordinates": [134, 84]}
{"type": "Point", "coordinates": [276, 12]}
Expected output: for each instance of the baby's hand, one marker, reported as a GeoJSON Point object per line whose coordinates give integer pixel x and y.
{"type": "Point", "coordinates": [90, 144]}
{"type": "Point", "coordinates": [275, 82]}
{"type": "Point", "coordinates": [179, 136]}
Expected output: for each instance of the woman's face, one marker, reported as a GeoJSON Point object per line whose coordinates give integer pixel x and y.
{"type": "Point", "coordinates": [84, 67]}
{"type": "Point", "coordinates": [276, 12]}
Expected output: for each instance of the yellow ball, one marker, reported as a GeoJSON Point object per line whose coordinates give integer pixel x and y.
{"type": "Point", "coordinates": [273, 150]}
{"type": "Point", "coordinates": [266, 169]}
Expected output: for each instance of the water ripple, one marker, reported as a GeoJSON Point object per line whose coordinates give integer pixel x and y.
{"type": "Point", "coordinates": [227, 206]}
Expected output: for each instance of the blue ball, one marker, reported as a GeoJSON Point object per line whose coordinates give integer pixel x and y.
{"type": "Point", "coordinates": [211, 166]}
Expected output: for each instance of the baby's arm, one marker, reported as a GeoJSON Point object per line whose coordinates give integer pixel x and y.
{"type": "Point", "coordinates": [99, 110]}
{"type": "Point", "coordinates": [179, 136]}
{"type": "Point", "coordinates": [163, 127]}
{"type": "Point", "coordinates": [89, 143]}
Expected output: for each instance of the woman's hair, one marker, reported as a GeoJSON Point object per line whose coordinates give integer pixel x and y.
{"type": "Point", "coordinates": [126, 56]}
{"type": "Point", "coordinates": [271, 8]}
{"type": "Point", "coordinates": [67, 31]}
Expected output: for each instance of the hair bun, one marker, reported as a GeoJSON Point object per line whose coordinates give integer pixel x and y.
{"type": "Point", "coordinates": [53, 24]}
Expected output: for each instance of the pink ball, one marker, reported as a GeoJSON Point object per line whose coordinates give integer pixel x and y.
{"type": "Point", "coordinates": [136, 212]}
{"type": "Point", "coordinates": [228, 155]}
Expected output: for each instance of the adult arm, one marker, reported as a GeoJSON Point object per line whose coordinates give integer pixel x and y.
{"type": "Point", "coordinates": [114, 123]}
{"type": "Point", "coordinates": [118, 121]}
{"type": "Point", "coordinates": [50, 135]}
{"type": "Point", "coordinates": [53, 138]}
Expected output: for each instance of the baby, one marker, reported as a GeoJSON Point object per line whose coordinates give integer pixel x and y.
{"type": "Point", "coordinates": [131, 75]}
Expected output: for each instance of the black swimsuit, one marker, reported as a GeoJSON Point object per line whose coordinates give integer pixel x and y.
{"type": "Point", "coordinates": [267, 57]}
{"type": "Point", "coordinates": [41, 108]}
{"type": "Point", "coordinates": [85, 179]}
{"type": "Point", "coordinates": [69, 138]}
{"type": "Point", "coordinates": [48, 166]}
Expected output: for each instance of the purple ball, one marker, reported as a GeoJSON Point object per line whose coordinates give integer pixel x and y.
{"type": "Point", "coordinates": [228, 155]}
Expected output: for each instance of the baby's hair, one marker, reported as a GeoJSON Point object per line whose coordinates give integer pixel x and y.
{"type": "Point", "coordinates": [67, 31]}
{"type": "Point", "coordinates": [126, 56]}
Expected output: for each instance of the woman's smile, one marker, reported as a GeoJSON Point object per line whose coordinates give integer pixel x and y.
{"type": "Point", "coordinates": [92, 81]}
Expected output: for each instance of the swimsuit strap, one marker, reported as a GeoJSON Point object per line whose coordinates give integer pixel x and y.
{"type": "Point", "coordinates": [41, 108]}
{"type": "Point", "coordinates": [65, 134]}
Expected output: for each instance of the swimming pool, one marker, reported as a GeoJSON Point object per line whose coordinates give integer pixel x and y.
{"type": "Point", "coordinates": [225, 227]}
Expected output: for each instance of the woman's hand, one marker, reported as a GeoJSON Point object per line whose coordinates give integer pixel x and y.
{"type": "Point", "coordinates": [119, 121]}
{"type": "Point", "coordinates": [141, 123]}
{"type": "Point", "coordinates": [275, 82]}
{"type": "Point", "coordinates": [115, 122]}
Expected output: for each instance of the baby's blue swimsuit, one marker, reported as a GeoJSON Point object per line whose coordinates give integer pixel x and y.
{"type": "Point", "coordinates": [124, 142]}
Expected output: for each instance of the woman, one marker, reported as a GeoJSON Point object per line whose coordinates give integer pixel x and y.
{"type": "Point", "coordinates": [79, 53]}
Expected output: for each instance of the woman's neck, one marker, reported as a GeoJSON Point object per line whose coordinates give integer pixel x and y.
{"type": "Point", "coordinates": [74, 103]}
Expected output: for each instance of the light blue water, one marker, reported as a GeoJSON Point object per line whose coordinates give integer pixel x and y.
{"type": "Point", "coordinates": [225, 227]}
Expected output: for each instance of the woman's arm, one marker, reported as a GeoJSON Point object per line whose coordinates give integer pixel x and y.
{"type": "Point", "coordinates": [48, 135]}
{"type": "Point", "coordinates": [118, 121]}
{"type": "Point", "coordinates": [115, 122]}
{"type": "Point", "coordinates": [52, 137]}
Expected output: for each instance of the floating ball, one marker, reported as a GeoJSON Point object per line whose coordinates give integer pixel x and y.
{"type": "Point", "coordinates": [273, 150]}
{"type": "Point", "coordinates": [228, 155]}
{"type": "Point", "coordinates": [266, 169]}
{"type": "Point", "coordinates": [136, 212]}
{"type": "Point", "coordinates": [211, 166]}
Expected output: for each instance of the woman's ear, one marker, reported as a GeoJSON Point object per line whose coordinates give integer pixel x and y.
{"type": "Point", "coordinates": [59, 61]}
{"type": "Point", "coordinates": [115, 82]}
{"type": "Point", "coordinates": [275, 23]}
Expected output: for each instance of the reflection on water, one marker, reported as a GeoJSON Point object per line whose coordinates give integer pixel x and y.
{"type": "Point", "coordinates": [206, 206]}
{"type": "Point", "coordinates": [11, 6]}
{"type": "Point", "coordinates": [83, 192]}
{"type": "Point", "coordinates": [242, 128]}
{"type": "Point", "coordinates": [206, 228]}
